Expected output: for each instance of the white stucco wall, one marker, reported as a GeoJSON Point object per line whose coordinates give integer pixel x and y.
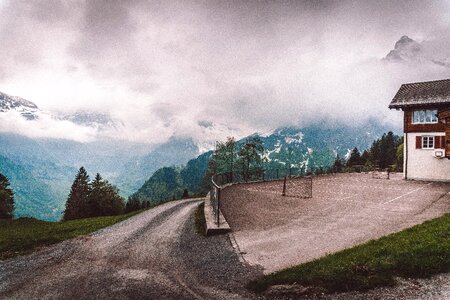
{"type": "Point", "coordinates": [421, 163]}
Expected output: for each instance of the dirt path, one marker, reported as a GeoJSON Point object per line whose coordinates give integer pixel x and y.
{"type": "Point", "coordinates": [154, 255]}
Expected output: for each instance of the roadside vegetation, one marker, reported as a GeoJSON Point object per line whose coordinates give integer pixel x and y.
{"type": "Point", "coordinates": [22, 236]}
{"type": "Point", "coordinates": [420, 251]}
{"type": "Point", "coordinates": [200, 222]}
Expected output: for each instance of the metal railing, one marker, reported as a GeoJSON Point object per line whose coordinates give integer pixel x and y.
{"type": "Point", "coordinates": [218, 181]}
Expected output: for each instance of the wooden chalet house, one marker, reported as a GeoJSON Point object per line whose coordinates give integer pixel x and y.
{"type": "Point", "coordinates": [426, 107]}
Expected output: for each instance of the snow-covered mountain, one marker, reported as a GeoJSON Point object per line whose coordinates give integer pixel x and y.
{"type": "Point", "coordinates": [92, 119]}
{"type": "Point", "coordinates": [30, 111]}
{"type": "Point", "coordinates": [26, 108]}
{"type": "Point", "coordinates": [407, 50]}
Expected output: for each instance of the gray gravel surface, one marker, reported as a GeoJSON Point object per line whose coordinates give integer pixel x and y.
{"type": "Point", "coordinates": [153, 255]}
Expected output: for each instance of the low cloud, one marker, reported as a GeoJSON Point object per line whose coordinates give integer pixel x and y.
{"type": "Point", "coordinates": [207, 69]}
{"type": "Point", "coordinates": [45, 127]}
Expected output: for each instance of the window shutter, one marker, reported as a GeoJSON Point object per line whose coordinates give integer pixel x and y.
{"type": "Point", "coordinates": [442, 141]}
{"type": "Point", "coordinates": [437, 142]}
{"type": "Point", "coordinates": [418, 142]}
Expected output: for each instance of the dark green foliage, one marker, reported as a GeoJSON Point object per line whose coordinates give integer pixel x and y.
{"type": "Point", "coordinates": [210, 171]}
{"type": "Point", "coordinates": [98, 198]}
{"type": "Point", "coordinates": [338, 164]}
{"type": "Point", "coordinates": [162, 186]}
{"type": "Point", "coordinates": [6, 199]}
{"type": "Point", "coordinates": [192, 175]}
{"type": "Point", "coordinates": [383, 152]}
{"type": "Point", "coordinates": [170, 183]}
{"type": "Point", "coordinates": [250, 157]}
{"type": "Point", "coordinates": [200, 222]}
{"type": "Point", "coordinates": [104, 199]}
{"type": "Point", "coordinates": [226, 155]}
{"type": "Point", "coordinates": [185, 194]}
{"type": "Point", "coordinates": [77, 205]}
{"type": "Point", "coordinates": [420, 251]}
{"type": "Point", "coordinates": [399, 157]}
{"type": "Point", "coordinates": [133, 204]}
{"type": "Point", "coordinates": [354, 159]}
{"type": "Point", "coordinates": [23, 235]}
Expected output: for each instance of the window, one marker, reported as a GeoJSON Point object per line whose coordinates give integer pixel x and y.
{"type": "Point", "coordinates": [428, 116]}
{"type": "Point", "coordinates": [427, 142]}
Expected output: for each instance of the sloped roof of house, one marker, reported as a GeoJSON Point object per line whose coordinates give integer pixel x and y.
{"type": "Point", "coordinates": [422, 93]}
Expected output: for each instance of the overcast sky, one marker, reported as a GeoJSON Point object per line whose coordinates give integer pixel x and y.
{"type": "Point", "coordinates": [208, 69]}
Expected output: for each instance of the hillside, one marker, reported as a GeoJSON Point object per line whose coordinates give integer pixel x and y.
{"type": "Point", "coordinates": [35, 193]}
{"type": "Point", "coordinates": [169, 182]}
{"type": "Point", "coordinates": [311, 148]}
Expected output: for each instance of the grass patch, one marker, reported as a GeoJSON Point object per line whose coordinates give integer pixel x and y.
{"type": "Point", "coordinates": [420, 251]}
{"type": "Point", "coordinates": [200, 222]}
{"type": "Point", "coordinates": [22, 236]}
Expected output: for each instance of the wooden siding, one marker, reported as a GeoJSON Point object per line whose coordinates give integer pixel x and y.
{"type": "Point", "coordinates": [408, 126]}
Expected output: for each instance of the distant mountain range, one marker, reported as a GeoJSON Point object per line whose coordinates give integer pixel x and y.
{"type": "Point", "coordinates": [26, 108]}
{"type": "Point", "coordinates": [41, 170]}
{"type": "Point", "coordinates": [309, 148]}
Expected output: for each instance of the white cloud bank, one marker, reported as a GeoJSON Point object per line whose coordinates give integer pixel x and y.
{"type": "Point", "coordinates": [45, 127]}
{"type": "Point", "coordinates": [165, 69]}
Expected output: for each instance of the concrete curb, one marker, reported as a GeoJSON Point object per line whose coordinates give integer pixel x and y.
{"type": "Point", "coordinates": [211, 227]}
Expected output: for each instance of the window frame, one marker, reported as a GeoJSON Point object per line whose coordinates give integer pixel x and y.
{"type": "Point", "coordinates": [420, 116]}
{"type": "Point", "coordinates": [425, 145]}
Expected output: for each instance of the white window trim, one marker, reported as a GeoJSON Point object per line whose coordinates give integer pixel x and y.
{"type": "Point", "coordinates": [424, 146]}
{"type": "Point", "coordinates": [425, 117]}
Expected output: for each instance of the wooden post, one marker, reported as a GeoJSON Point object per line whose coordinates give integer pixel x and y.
{"type": "Point", "coordinates": [284, 186]}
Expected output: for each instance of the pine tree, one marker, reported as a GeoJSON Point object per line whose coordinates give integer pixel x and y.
{"type": "Point", "coordinates": [354, 159]}
{"type": "Point", "coordinates": [185, 194]}
{"type": "Point", "coordinates": [77, 205]}
{"type": "Point", "coordinates": [97, 197]}
{"type": "Point", "coordinates": [6, 199]}
{"type": "Point", "coordinates": [337, 166]}
{"type": "Point", "coordinates": [133, 204]}
{"type": "Point", "coordinates": [365, 157]}
{"type": "Point", "coordinates": [113, 204]}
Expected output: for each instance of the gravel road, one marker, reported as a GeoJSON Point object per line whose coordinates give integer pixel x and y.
{"type": "Point", "coordinates": [153, 255]}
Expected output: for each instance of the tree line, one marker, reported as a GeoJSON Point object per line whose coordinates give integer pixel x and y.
{"type": "Point", "coordinates": [244, 159]}
{"type": "Point", "coordinates": [92, 198]}
{"type": "Point", "coordinates": [385, 152]}
{"type": "Point", "coordinates": [236, 159]}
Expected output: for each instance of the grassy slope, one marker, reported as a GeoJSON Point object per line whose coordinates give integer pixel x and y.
{"type": "Point", "coordinates": [420, 251]}
{"type": "Point", "coordinates": [23, 235]}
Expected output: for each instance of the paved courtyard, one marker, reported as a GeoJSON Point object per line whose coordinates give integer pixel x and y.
{"type": "Point", "coordinates": [346, 209]}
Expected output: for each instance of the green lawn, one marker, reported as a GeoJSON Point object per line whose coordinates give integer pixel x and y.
{"type": "Point", "coordinates": [420, 251]}
{"type": "Point", "coordinates": [23, 235]}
